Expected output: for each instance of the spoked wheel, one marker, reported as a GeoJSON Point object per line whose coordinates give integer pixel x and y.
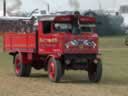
{"type": "Point", "coordinates": [95, 72]}
{"type": "Point", "coordinates": [54, 70]}
{"type": "Point", "coordinates": [126, 41]}
{"type": "Point", "coordinates": [20, 68]}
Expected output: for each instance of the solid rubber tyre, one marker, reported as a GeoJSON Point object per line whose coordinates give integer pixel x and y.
{"type": "Point", "coordinates": [54, 70]}
{"type": "Point", "coordinates": [21, 70]}
{"type": "Point", "coordinates": [95, 72]}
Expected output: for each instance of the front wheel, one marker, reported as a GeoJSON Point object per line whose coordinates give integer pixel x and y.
{"type": "Point", "coordinates": [21, 69]}
{"type": "Point", "coordinates": [95, 72]}
{"type": "Point", "coordinates": [54, 70]}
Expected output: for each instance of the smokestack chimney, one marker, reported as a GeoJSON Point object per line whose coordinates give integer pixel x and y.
{"type": "Point", "coordinates": [48, 8]}
{"type": "Point", "coordinates": [4, 7]}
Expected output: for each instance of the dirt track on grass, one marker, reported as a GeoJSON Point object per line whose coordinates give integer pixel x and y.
{"type": "Point", "coordinates": [1, 50]}
{"type": "Point", "coordinates": [74, 83]}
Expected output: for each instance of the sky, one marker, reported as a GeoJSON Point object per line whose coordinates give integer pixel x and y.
{"type": "Point", "coordinates": [58, 5]}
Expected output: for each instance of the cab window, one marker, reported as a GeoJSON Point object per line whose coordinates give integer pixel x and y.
{"type": "Point", "coordinates": [46, 27]}
{"type": "Point", "coordinates": [87, 27]}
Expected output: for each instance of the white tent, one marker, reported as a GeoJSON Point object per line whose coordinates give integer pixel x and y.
{"type": "Point", "coordinates": [1, 13]}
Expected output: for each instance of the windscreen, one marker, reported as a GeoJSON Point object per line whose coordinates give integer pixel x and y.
{"type": "Point", "coordinates": [67, 27]}
{"type": "Point", "coordinates": [62, 27]}
{"type": "Point", "coordinates": [87, 27]}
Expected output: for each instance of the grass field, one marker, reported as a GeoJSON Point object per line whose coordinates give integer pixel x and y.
{"type": "Point", "coordinates": [74, 83]}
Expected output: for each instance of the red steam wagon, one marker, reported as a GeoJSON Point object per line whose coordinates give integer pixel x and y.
{"type": "Point", "coordinates": [59, 43]}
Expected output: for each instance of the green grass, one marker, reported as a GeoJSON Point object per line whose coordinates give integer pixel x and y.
{"type": "Point", "coordinates": [112, 42]}
{"type": "Point", "coordinates": [75, 83]}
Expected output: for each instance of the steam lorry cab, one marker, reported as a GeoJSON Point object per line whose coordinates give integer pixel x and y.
{"type": "Point", "coordinates": [59, 43]}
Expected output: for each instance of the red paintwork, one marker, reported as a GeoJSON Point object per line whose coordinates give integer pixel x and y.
{"type": "Point", "coordinates": [62, 38]}
{"type": "Point", "coordinates": [25, 42]}
{"type": "Point", "coordinates": [87, 19]}
{"type": "Point", "coordinates": [52, 43]}
{"type": "Point", "coordinates": [70, 19]}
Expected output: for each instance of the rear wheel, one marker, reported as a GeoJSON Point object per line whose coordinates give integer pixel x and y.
{"type": "Point", "coordinates": [54, 70]}
{"type": "Point", "coordinates": [95, 72]}
{"type": "Point", "coordinates": [21, 69]}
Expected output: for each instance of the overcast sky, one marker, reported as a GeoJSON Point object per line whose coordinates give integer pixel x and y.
{"type": "Point", "coordinates": [57, 5]}
{"type": "Point", "coordinates": [64, 4]}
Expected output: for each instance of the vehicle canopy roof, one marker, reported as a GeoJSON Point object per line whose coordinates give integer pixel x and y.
{"type": "Point", "coordinates": [67, 18]}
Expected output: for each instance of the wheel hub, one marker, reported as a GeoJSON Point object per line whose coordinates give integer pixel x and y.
{"type": "Point", "coordinates": [17, 65]}
{"type": "Point", "coordinates": [52, 70]}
